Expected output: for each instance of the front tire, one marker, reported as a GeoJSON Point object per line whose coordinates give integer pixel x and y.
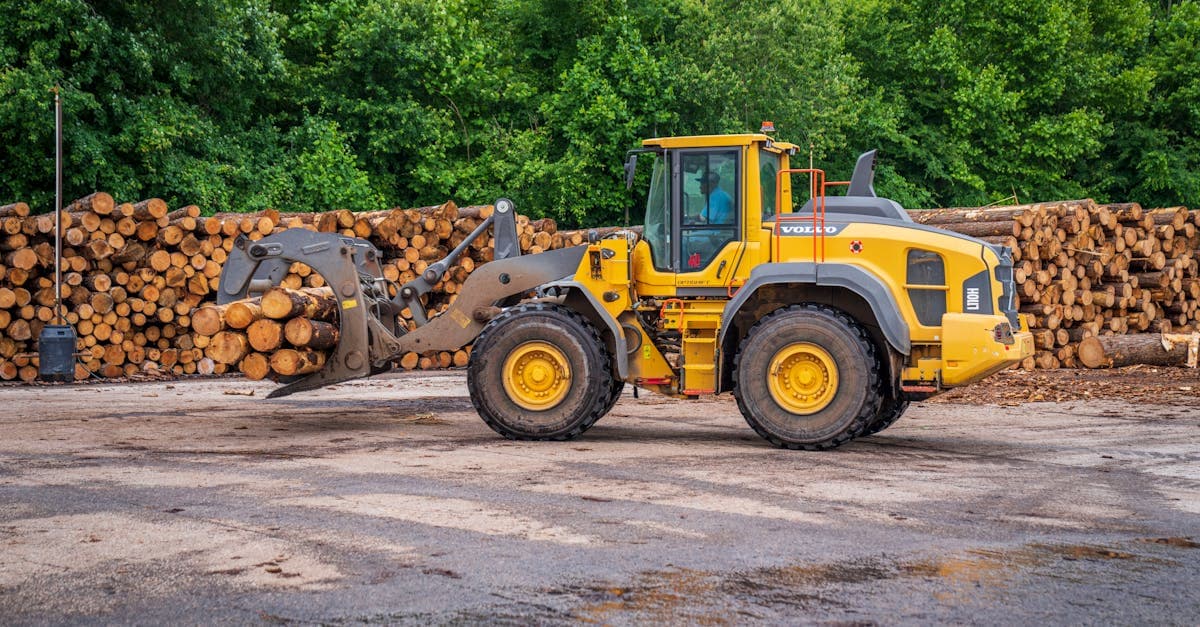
{"type": "Point", "coordinates": [807, 377]}
{"type": "Point", "coordinates": [540, 372]}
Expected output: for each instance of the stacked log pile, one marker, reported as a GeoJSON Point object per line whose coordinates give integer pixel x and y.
{"type": "Point", "coordinates": [411, 239]}
{"type": "Point", "coordinates": [285, 333]}
{"type": "Point", "coordinates": [1085, 269]}
{"type": "Point", "coordinates": [133, 273]}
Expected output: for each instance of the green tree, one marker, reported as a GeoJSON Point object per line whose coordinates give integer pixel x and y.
{"type": "Point", "coordinates": [999, 99]}
{"type": "Point", "coordinates": [614, 94]}
{"type": "Point", "coordinates": [314, 104]}
{"type": "Point", "coordinates": [1154, 156]}
{"type": "Point", "coordinates": [160, 98]}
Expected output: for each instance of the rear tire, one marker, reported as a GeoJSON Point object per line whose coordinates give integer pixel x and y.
{"type": "Point", "coordinates": [540, 372]}
{"type": "Point", "coordinates": [889, 412]}
{"type": "Point", "coordinates": [618, 386]}
{"type": "Point", "coordinates": [807, 377]}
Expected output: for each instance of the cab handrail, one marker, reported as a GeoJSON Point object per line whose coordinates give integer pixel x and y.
{"type": "Point", "coordinates": [817, 191]}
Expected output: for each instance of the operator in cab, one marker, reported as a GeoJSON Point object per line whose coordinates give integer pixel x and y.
{"type": "Point", "coordinates": [718, 205]}
{"type": "Point", "coordinates": [712, 224]}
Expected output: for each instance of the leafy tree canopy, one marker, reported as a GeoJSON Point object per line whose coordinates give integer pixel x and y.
{"type": "Point", "coordinates": [316, 104]}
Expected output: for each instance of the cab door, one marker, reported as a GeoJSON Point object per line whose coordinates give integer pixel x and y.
{"type": "Point", "coordinates": [707, 202]}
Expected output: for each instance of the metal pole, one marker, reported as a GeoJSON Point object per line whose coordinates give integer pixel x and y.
{"type": "Point", "coordinates": [57, 206]}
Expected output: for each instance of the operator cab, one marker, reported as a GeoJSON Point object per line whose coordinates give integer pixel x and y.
{"type": "Point", "coordinates": [703, 208]}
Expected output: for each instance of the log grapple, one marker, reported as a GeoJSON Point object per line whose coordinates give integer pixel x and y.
{"type": "Point", "coordinates": [371, 337]}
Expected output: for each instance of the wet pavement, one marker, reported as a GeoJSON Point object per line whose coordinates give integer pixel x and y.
{"type": "Point", "coordinates": [390, 501]}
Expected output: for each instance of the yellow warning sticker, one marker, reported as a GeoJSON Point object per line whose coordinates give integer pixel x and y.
{"type": "Point", "coordinates": [349, 304]}
{"type": "Point", "coordinates": [461, 318]}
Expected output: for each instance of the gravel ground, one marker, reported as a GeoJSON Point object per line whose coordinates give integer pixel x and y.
{"type": "Point", "coordinates": [1051, 498]}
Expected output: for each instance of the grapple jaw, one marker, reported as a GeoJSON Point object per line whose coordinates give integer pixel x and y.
{"type": "Point", "coordinates": [349, 265]}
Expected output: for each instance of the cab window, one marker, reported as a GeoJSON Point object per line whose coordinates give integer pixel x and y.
{"type": "Point", "coordinates": [709, 203]}
{"type": "Point", "coordinates": [657, 229]}
{"type": "Point", "coordinates": [768, 170]}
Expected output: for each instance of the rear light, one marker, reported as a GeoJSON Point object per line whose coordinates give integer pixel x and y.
{"type": "Point", "coordinates": [1003, 333]}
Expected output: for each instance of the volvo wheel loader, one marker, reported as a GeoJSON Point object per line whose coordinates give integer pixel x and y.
{"type": "Point", "coordinates": [824, 315]}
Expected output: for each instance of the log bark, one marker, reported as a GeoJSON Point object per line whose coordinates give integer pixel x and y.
{"type": "Point", "coordinates": [476, 212]}
{"type": "Point", "coordinates": [1023, 214]}
{"type": "Point", "coordinates": [291, 362]}
{"type": "Point", "coordinates": [282, 303]}
{"type": "Point", "coordinates": [313, 334]}
{"type": "Point", "coordinates": [1115, 351]}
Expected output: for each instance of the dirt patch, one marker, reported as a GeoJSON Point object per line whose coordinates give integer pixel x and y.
{"type": "Point", "coordinates": [1135, 384]}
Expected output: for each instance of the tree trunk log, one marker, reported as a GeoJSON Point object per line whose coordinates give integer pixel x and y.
{"type": "Point", "coordinates": [256, 366]}
{"type": "Point", "coordinates": [265, 335]}
{"type": "Point", "coordinates": [290, 362]}
{"type": "Point", "coordinates": [150, 209]}
{"type": "Point", "coordinates": [243, 313]}
{"type": "Point", "coordinates": [14, 210]}
{"type": "Point", "coordinates": [227, 347]}
{"type": "Point", "coordinates": [1116, 351]}
{"type": "Point", "coordinates": [282, 303]}
{"type": "Point", "coordinates": [312, 334]}
{"type": "Point", "coordinates": [99, 203]}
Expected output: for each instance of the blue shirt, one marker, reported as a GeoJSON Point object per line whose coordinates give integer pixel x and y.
{"type": "Point", "coordinates": [719, 209]}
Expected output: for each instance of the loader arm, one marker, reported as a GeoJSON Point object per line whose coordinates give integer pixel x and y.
{"type": "Point", "coordinates": [487, 285]}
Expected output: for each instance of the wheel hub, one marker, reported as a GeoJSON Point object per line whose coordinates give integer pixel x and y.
{"type": "Point", "coordinates": [537, 375]}
{"type": "Point", "coordinates": [802, 378]}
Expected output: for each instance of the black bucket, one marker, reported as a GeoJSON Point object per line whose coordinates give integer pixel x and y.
{"type": "Point", "coordinates": [56, 353]}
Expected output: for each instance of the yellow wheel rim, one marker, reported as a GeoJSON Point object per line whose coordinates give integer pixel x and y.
{"type": "Point", "coordinates": [537, 376]}
{"type": "Point", "coordinates": [803, 378]}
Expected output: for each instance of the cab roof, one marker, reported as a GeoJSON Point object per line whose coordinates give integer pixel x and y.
{"type": "Point", "coordinates": [715, 141]}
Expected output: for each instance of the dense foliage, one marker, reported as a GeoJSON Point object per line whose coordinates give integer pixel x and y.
{"type": "Point", "coordinates": [315, 104]}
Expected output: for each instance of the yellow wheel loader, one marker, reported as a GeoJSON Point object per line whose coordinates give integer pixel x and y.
{"type": "Point", "coordinates": [824, 315]}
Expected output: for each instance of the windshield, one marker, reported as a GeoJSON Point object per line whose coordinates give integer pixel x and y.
{"type": "Point", "coordinates": [657, 232]}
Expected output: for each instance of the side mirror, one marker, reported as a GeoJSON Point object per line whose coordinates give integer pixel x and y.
{"type": "Point", "coordinates": [630, 167]}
